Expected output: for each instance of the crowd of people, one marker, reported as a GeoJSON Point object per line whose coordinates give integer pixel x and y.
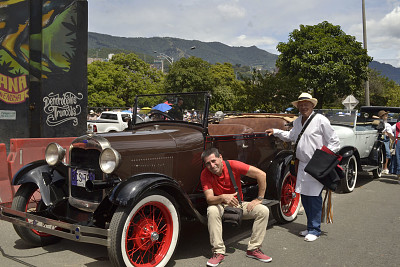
{"type": "Point", "coordinates": [391, 135]}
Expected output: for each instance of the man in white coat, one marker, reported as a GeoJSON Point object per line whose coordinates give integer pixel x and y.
{"type": "Point", "coordinates": [318, 133]}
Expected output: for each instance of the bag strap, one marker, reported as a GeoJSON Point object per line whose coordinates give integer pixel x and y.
{"type": "Point", "coordinates": [233, 181]}
{"type": "Point", "coordinates": [302, 131]}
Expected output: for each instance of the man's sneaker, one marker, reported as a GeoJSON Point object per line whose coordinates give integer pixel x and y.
{"type": "Point", "coordinates": [385, 171]}
{"type": "Point", "coordinates": [310, 238]}
{"type": "Point", "coordinates": [258, 255]}
{"type": "Point", "coordinates": [303, 233]}
{"type": "Point", "coordinates": [216, 259]}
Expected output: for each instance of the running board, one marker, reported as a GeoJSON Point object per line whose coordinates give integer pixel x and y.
{"type": "Point", "coordinates": [368, 168]}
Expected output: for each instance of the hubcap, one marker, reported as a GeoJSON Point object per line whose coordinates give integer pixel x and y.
{"type": "Point", "coordinates": [154, 236]}
{"type": "Point", "coordinates": [146, 233]}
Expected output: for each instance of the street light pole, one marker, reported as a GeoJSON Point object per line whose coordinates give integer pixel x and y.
{"type": "Point", "coordinates": [164, 56]}
{"type": "Point", "coordinates": [367, 102]}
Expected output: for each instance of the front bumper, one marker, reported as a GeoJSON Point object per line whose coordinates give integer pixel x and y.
{"type": "Point", "coordinates": [74, 232]}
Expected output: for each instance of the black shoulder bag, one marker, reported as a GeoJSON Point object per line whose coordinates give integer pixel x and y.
{"type": "Point", "coordinates": [294, 163]}
{"type": "Point", "coordinates": [232, 215]}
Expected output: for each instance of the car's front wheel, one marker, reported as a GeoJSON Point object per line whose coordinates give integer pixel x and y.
{"type": "Point", "coordinates": [289, 204]}
{"type": "Point", "coordinates": [377, 173]}
{"type": "Point", "coordinates": [146, 233]}
{"type": "Point", "coordinates": [351, 172]}
{"type": "Point", "coordinates": [28, 199]}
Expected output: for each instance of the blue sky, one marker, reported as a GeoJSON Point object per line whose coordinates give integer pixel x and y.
{"type": "Point", "coordinates": [261, 23]}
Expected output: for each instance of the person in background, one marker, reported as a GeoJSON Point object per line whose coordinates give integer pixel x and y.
{"type": "Point", "coordinates": [177, 110]}
{"type": "Point", "coordinates": [318, 133]}
{"type": "Point", "coordinates": [219, 192]}
{"type": "Point", "coordinates": [92, 115]}
{"type": "Point", "coordinates": [387, 132]}
{"type": "Point", "coordinates": [395, 163]}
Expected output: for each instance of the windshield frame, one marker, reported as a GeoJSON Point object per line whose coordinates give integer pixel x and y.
{"type": "Point", "coordinates": [202, 94]}
{"type": "Point", "coordinates": [342, 117]}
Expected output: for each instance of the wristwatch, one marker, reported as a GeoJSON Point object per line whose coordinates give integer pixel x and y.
{"type": "Point", "coordinates": [260, 198]}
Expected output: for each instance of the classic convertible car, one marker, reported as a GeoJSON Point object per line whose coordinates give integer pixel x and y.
{"type": "Point", "coordinates": [130, 190]}
{"type": "Point", "coordinates": [360, 142]}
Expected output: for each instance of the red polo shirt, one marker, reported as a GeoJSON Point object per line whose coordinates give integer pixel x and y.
{"type": "Point", "coordinates": [223, 184]}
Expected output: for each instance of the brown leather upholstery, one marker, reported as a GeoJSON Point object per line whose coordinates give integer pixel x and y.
{"type": "Point", "coordinates": [258, 124]}
{"type": "Point", "coordinates": [228, 129]}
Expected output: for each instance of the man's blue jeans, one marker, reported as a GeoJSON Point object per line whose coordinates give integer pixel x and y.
{"type": "Point", "coordinates": [313, 207]}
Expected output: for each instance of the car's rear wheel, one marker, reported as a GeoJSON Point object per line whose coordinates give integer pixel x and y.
{"type": "Point", "coordinates": [377, 173]}
{"type": "Point", "coordinates": [289, 204]}
{"type": "Point", "coordinates": [351, 172]}
{"type": "Point", "coordinates": [146, 233]}
{"type": "Point", "coordinates": [28, 199]}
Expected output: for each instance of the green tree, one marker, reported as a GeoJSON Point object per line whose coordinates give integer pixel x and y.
{"type": "Point", "coordinates": [117, 82]}
{"type": "Point", "coordinates": [383, 92]}
{"type": "Point", "coordinates": [324, 61]}
{"type": "Point", "coordinates": [189, 75]}
{"type": "Point", "coordinates": [226, 88]}
{"type": "Point", "coordinates": [267, 92]}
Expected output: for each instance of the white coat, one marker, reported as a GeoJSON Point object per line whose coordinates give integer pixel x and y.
{"type": "Point", "coordinates": [317, 134]}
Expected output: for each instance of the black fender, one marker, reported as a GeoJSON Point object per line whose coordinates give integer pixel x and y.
{"type": "Point", "coordinates": [43, 175]}
{"type": "Point", "coordinates": [130, 191]}
{"type": "Point", "coordinates": [373, 156]}
{"type": "Point", "coordinates": [348, 151]}
{"type": "Point", "coordinates": [275, 174]}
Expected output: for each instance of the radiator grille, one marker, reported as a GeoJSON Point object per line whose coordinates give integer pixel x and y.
{"type": "Point", "coordinates": [85, 159]}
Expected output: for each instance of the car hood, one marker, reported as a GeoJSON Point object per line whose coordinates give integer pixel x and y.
{"type": "Point", "coordinates": [345, 134]}
{"type": "Point", "coordinates": [157, 148]}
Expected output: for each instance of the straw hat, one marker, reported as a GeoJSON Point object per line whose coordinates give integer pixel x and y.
{"type": "Point", "coordinates": [381, 113]}
{"type": "Point", "coordinates": [305, 97]}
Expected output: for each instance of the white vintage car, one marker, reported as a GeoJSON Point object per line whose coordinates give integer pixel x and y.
{"type": "Point", "coordinates": [111, 121]}
{"type": "Point", "coordinates": [360, 143]}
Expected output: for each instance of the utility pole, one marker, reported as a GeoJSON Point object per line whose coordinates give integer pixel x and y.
{"type": "Point", "coordinates": [367, 103]}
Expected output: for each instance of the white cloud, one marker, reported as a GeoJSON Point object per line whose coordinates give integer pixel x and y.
{"type": "Point", "coordinates": [231, 11]}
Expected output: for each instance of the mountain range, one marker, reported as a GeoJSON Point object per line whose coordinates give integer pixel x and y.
{"type": "Point", "coordinates": [100, 45]}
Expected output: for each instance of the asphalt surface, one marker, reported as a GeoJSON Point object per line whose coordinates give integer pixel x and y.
{"type": "Point", "coordinates": [365, 232]}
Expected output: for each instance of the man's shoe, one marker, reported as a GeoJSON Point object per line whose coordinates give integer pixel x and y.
{"type": "Point", "coordinates": [216, 259]}
{"type": "Point", "coordinates": [303, 233]}
{"type": "Point", "coordinates": [258, 255]}
{"type": "Point", "coordinates": [310, 238]}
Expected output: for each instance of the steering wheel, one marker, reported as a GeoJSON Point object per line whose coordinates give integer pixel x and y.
{"type": "Point", "coordinates": [158, 113]}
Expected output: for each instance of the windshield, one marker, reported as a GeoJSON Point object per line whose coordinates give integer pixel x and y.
{"type": "Point", "coordinates": [185, 107]}
{"type": "Point", "coordinates": [339, 116]}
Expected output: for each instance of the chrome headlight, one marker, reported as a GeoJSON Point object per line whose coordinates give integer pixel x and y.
{"type": "Point", "coordinates": [54, 154]}
{"type": "Point", "coordinates": [109, 160]}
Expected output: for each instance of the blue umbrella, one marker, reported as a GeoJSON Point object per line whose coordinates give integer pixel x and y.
{"type": "Point", "coordinates": [289, 109]}
{"type": "Point", "coordinates": [162, 107]}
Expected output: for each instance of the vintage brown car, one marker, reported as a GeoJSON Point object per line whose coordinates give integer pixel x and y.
{"type": "Point", "coordinates": [130, 190]}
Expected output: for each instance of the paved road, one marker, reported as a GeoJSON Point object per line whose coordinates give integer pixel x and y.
{"type": "Point", "coordinates": [365, 232]}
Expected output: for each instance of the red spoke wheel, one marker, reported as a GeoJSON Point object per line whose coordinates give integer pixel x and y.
{"type": "Point", "coordinates": [145, 235]}
{"type": "Point", "coordinates": [28, 199]}
{"type": "Point", "coordinates": [289, 204]}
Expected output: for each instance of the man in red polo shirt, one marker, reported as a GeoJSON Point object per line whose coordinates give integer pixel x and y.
{"type": "Point", "coordinates": [219, 192]}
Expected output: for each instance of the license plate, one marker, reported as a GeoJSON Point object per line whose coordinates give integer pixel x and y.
{"type": "Point", "coordinates": [79, 177]}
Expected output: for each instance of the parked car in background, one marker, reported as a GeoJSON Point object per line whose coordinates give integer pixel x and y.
{"type": "Point", "coordinates": [111, 121]}
{"type": "Point", "coordinates": [130, 190]}
{"type": "Point", "coordinates": [372, 111]}
{"type": "Point", "coordinates": [360, 142]}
